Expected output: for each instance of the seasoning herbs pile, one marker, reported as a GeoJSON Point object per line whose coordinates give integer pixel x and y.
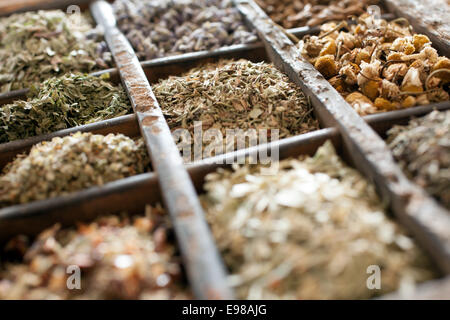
{"type": "Point", "coordinates": [232, 95]}
{"type": "Point", "coordinates": [423, 149]}
{"type": "Point", "coordinates": [158, 28]}
{"type": "Point", "coordinates": [378, 65]}
{"type": "Point", "coordinates": [35, 46]}
{"type": "Point", "coordinates": [299, 13]}
{"type": "Point", "coordinates": [68, 164]}
{"type": "Point", "coordinates": [60, 103]}
{"type": "Point", "coordinates": [119, 258]}
{"type": "Point", "coordinates": [308, 232]}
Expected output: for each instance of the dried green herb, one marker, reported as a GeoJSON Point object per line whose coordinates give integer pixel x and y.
{"type": "Point", "coordinates": [60, 103]}
{"type": "Point", "coordinates": [68, 164]}
{"type": "Point", "coordinates": [159, 28]}
{"type": "Point", "coordinates": [235, 95]}
{"type": "Point", "coordinates": [35, 46]}
{"type": "Point", "coordinates": [308, 232]}
{"type": "Point", "coordinates": [119, 257]}
{"type": "Point", "coordinates": [423, 150]}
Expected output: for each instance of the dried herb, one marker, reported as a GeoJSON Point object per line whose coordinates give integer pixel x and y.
{"type": "Point", "coordinates": [35, 46]}
{"type": "Point", "coordinates": [158, 28]}
{"type": "Point", "coordinates": [69, 164]}
{"type": "Point", "coordinates": [308, 232]}
{"type": "Point", "coordinates": [378, 65]}
{"type": "Point", "coordinates": [60, 103]}
{"type": "Point", "coordinates": [235, 95]}
{"type": "Point", "coordinates": [423, 149]}
{"type": "Point", "coordinates": [119, 258]}
{"type": "Point", "coordinates": [299, 13]}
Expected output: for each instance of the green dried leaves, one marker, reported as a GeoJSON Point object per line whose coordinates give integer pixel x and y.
{"type": "Point", "coordinates": [235, 95]}
{"type": "Point", "coordinates": [61, 103]}
{"type": "Point", "coordinates": [120, 258]}
{"type": "Point", "coordinates": [423, 149]}
{"type": "Point", "coordinates": [69, 164]}
{"type": "Point", "coordinates": [308, 232]}
{"type": "Point", "coordinates": [35, 46]}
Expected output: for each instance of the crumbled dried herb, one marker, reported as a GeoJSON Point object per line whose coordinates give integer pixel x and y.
{"type": "Point", "coordinates": [423, 149]}
{"type": "Point", "coordinates": [299, 13]}
{"type": "Point", "coordinates": [235, 95]}
{"type": "Point", "coordinates": [60, 103]}
{"type": "Point", "coordinates": [378, 65]}
{"type": "Point", "coordinates": [35, 46]}
{"type": "Point", "coordinates": [119, 258]}
{"type": "Point", "coordinates": [308, 232]}
{"type": "Point", "coordinates": [158, 28]}
{"type": "Point", "coordinates": [68, 164]}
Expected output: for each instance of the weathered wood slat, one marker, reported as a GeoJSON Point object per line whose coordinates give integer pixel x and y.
{"type": "Point", "coordinates": [425, 218]}
{"type": "Point", "coordinates": [203, 263]}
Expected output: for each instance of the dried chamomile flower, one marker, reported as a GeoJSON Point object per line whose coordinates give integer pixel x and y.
{"type": "Point", "coordinates": [423, 150]}
{"type": "Point", "coordinates": [35, 46]}
{"type": "Point", "coordinates": [68, 164]}
{"type": "Point", "coordinates": [231, 95]}
{"type": "Point", "coordinates": [379, 65]}
{"type": "Point", "coordinates": [60, 103]}
{"type": "Point", "coordinates": [310, 231]}
{"type": "Point", "coordinates": [298, 13]}
{"type": "Point", "coordinates": [159, 28]}
{"type": "Point", "coordinates": [120, 257]}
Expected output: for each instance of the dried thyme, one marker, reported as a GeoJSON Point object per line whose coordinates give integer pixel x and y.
{"type": "Point", "coordinates": [379, 65]}
{"type": "Point", "coordinates": [60, 103]}
{"type": "Point", "coordinates": [68, 164]}
{"type": "Point", "coordinates": [158, 28]}
{"type": "Point", "coordinates": [35, 46]}
{"type": "Point", "coordinates": [300, 13]}
{"type": "Point", "coordinates": [119, 258]}
{"type": "Point", "coordinates": [308, 232]}
{"type": "Point", "coordinates": [423, 149]}
{"type": "Point", "coordinates": [235, 95]}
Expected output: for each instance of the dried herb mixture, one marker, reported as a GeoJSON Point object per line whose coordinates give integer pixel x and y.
{"type": "Point", "coordinates": [60, 103]}
{"type": "Point", "coordinates": [69, 164]}
{"type": "Point", "coordinates": [119, 258]}
{"type": "Point", "coordinates": [35, 46]}
{"type": "Point", "coordinates": [423, 149]}
{"type": "Point", "coordinates": [308, 232]}
{"type": "Point", "coordinates": [299, 13]}
{"type": "Point", "coordinates": [378, 65]}
{"type": "Point", "coordinates": [159, 28]}
{"type": "Point", "coordinates": [235, 95]}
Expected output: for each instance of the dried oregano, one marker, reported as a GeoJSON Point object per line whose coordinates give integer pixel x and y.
{"type": "Point", "coordinates": [158, 28]}
{"type": "Point", "coordinates": [235, 95]}
{"type": "Point", "coordinates": [71, 163]}
{"type": "Point", "coordinates": [120, 257]}
{"type": "Point", "coordinates": [35, 46]}
{"type": "Point", "coordinates": [423, 149]}
{"type": "Point", "coordinates": [310, 231]}
{"type": "Point", "coordinates": [61, 103]}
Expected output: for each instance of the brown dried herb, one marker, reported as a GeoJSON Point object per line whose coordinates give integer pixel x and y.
{"type": "Point", "coordinates": [235, 95]}
{"type": "Point", "coordinates": [379, 65]}
{"type": "Point", "coordinates": [299, 13]}
{"type": "Point", "coordinates": [423, 149]}
{"type": "Point", "coordinates": [35, 46]}
{"type": "Point", "coordinates": [60, 103]}
{"type": "Point", "coordinates": [69, 164]}
{"type": "Point", "coordinates": [119, 257]}
{"type": "Point", "coordinates": [158, 28]}
{"type": "Point", "coordinates": [308, 232]}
